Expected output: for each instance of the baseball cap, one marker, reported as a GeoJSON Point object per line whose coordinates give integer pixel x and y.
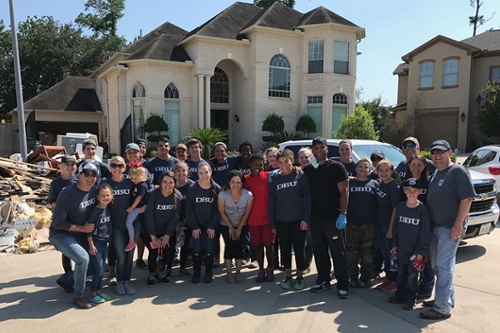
{"type": "Point", "coordinates": [68, 158]}
{"type": "Point", "coordinates": [411, 139]}
{"type": "Point", "coordinates": [441, 145]}
{"type": "Point", "coordinates": [140, 142]}
{"type": "Point", "coordinates": [87, 166]}
{"type": "Point", "coordinates": [412, 183]}
{"type": "Point", "coordinates": [131, 146]}
{"type": "Point", "coordinates": [319, 141]}
{"type": "Point", "coordinates": [378, 153]}
{"type": "Point", "coordinates": [87, 142]}
{"type": "Point", "coordinates": [182, 146]}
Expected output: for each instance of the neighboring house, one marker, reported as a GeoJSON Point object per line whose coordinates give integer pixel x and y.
{"type": "Point", "coordinates": [440, 82]}
{"type": "Point", "coordinates": [231, 72]}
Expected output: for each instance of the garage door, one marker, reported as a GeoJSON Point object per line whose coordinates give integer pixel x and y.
{"type": "Point", "coordinates": [433, 126]}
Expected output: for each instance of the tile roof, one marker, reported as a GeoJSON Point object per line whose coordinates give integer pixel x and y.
{"type": "Point", "coordinates": [166, 28]}
{"type": "Point", "coordinates": [75, 93]}
{"type": "Point", "coordinates": [276, 16]}
{"type": "Point", "coordinates": [488, 40]}
{"type": "Point", "coordinates": [323, 15]}
{"type": "Point", "coordinates": [163, 47]}
{"type": "Point", "coordinates": [401, 69]}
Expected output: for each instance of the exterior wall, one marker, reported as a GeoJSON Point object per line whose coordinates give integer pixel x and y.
{"type": "Point", "coordinates": [402, 88]}
{"type": "Point", "coordinates": [438, 97]}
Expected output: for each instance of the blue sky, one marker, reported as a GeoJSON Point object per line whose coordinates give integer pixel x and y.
{"type": "Point", "coordinates": [393, 27]}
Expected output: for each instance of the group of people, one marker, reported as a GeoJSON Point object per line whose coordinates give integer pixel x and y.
{"type": "Point", "coordinates": [265, 207]}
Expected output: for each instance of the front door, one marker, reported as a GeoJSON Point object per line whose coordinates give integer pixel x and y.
{"type": "Point", "coordinates": [219, 119]}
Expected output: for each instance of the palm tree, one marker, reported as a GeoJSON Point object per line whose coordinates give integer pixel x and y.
{"type": "Point", "coordinates": [208, 137]}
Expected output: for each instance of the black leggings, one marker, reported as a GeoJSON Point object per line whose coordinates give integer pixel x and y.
{"type": "Point", "coordinates": [186, 247]}
{"type": "Point", "coordinates": [111, 253]}
{"type": "Point", "coordinates": [290, 234]}
{"type": "Point", "coordinates": [153, 253]}
{"type": "Point", "coordinates": [233, 248]}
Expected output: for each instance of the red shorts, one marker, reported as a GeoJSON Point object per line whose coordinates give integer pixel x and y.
{"type": "Point", "coordinates": [261, 234]}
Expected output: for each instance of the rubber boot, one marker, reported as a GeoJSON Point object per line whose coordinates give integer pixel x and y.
{"type": "Point", "coordinates": [196, 268]}
{"type": "Point", "coordinates": [309, 258]}
{"type": "Point", "coordinates": [209, 265]}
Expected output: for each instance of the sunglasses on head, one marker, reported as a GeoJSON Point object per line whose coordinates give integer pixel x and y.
{"type": "Point", "coordinates": [411, 145]}
{"type": "Point", "coordinates": [90, 174]}
{"type": "Point", "coordinates": [114, 165]}
{"type": "Point", "coordinates": [438, 151]}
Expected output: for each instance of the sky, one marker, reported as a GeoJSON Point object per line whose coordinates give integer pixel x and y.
{"type": "Point", "coordinates": [393, 27]}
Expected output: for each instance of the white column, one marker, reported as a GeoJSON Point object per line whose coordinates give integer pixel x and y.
{"type": "Point", "coordinates": [200, 101]}
{"type": "Point", "coordinates": [207, 101]}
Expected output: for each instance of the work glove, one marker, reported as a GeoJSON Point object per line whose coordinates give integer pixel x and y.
{"type": "Point", "coordinates": [271, 175]}
{"type": "Point", "coordinates": [341, 222]}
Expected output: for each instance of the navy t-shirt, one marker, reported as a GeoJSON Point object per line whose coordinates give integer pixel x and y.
{"type": "Point", "coordinates": [57, 185]}
{"type": "Point", "coordinates": [202, 206]}
{"type": "Point", "coordinates": [244, 168]}
{"type": "Point", "coordinates": [102, 220]}
{"type": "Point", "coordinates": [140, 190]}
{"type": "Point", "coordinates": [362, 207]}
{"type": "Point", "coordinates": [193, 169]}
{"type": "Point", "coordinates": [221, 170]}
{"type": "Point", "coordinates": [160, 165]}
{"type": "Point", "coordinates": [183, 191]}
{"type": "Point", "coordinates": [349, 167]}
{"type": "Point", "coordinates": [122, 192]}
{"type": "Point", "coordinates": [388, 198]}
{"type": "Point", "coordinates": [403, 167]}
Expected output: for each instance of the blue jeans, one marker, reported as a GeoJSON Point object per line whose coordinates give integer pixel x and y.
{"type": "Point", "coordinates": [98, 262]}
{"type": "Point", "coordinates": [385, 245]}
{"type": "Point", "coordinates": [124, 260]}
{"type": "Point", "coordinates": [443, 253]}
{"type": "Point", "coordinates": [75, 248]}
{"type": "Point", "coordinates": [407, 283]}
{"type": "Point", "coordinates": [203, 242]}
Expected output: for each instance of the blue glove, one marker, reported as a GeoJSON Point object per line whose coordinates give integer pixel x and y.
{"type": "Point", "coordinates": [341, 222]}
{"type": "Point", "coordinates": [271, 175]}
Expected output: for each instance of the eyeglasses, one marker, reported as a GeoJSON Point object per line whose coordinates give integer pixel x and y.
{"type": "Point", "coordinates": [438, 151]}
{"type": "Point", "coordinates": [114, 165]}
{"type": "Point", "coordinates": [90, 174]}
{"type": "Point", "coordinates": [409, 146]}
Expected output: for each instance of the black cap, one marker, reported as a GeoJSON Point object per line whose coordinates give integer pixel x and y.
{"type": "Point", "coordinates": [378, 153]}
{"type": "Point", "coordinates": [319, 141]}
{"type": "Point", "coordinates": [441, 145]}
{"type": "Point", "coordinates": [412, 183]}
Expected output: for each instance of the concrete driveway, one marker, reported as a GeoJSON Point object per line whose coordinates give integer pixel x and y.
{"type": "Point", "coordinates": [30, 301]}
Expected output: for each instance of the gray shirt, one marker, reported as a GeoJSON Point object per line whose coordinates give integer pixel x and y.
{"type": "Point", "coordinates": [235, 211]}
{"type": "Point", "coordinates": [446, 189]}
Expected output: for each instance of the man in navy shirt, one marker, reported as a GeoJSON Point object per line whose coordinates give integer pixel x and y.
{"type": "Point", "coordinates": [163, 161]}
{"type": "Point", "coordinates": [411, 148]}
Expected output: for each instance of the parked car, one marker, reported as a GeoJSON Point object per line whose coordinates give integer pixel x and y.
{"type": "Point", "coordinates": [486, 160]}
{"type": "Point", "coordinates": [484, 211]}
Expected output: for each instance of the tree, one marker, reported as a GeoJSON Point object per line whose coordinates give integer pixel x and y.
{"type": "Point", "coordinates": [477, 20]}
{"type": "Point", "coordinates": [380, 113]}
{"type": "Point", "coordinates": [208, 137]}
{"type": "Point", "coordinates": [488, 115]}
{"type": "Point", "coordinates": [267, 3]}
{"type": "Point", "coordinates": [357, 126]}
{"type": "Point", "coordinates": [306, 125]}
{"type": "Point", "coordinates": [276, 125]}
{"type": "Point", "coordinates": [105, 17]}
{"type": "Point", "coordinates": [156, 126]}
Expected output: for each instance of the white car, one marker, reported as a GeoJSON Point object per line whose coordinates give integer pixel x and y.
{"type": "Point", "coordinates": [486, 160]}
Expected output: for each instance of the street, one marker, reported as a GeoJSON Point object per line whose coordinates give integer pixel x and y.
{"type": "Point", "coordinates": [31, 301]}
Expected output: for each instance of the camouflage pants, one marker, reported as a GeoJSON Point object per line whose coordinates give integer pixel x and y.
{"type": "Point", "coordinates": [360, 250]}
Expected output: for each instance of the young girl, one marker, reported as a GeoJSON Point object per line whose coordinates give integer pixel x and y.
{"type": "Point", "coordinates": [271, 159]}
{"type": "Point", "coordinates": [98, 241]}
{"type": "Point", "coordinates": [361, 217]}
{"type": "Point", "coordinates": [388, 197]}
{"type": "Point", "coordinates": [138, 175]}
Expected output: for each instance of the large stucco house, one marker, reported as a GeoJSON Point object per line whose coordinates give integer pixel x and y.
{"type": "Point", "coordinates": [230, 73]}
{"type": "Point", "coordinates": [440, 81]}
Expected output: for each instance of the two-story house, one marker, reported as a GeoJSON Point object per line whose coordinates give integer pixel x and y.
{"type": "Point", "coordinates": [231, 72]}
{"type": "Point", "coordinates": [439, 84]}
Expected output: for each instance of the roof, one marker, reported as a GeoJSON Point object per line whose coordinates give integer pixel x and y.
{"type": "Point", "coordinates": [276, 16]}
{"type": "Point", "coordinates": [166, 28]}
{"type": "Point", "coordinates": [163, 47]}
{"type": "Point", "coordinates": [75, 93]}
{"type": "Point", "coordinates": [322, 15]}
{"type": "Point", "coordinates": [488, 40]}
{"type": "Point", "coordinates": [439, 39]}
{"type": "Point", "coordinates": [402, 69]}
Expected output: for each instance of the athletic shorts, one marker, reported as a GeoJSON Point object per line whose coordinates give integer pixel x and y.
{"type": "Point", "coordinates": [261, 234]}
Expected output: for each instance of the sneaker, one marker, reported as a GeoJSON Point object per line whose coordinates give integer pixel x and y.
{"type": "Point", "coordinates": [383, 284]}
{"type": "Point", "coordinates": [395, 299]}
{"type": "Point", "coordinates": [105, 297]}
{"type": "Point", "coordinates": [130, 246]}
{"type": "Point", "coordinates": [150, 282]}
{"type": "Point", "coordinates": [168, 273]}
{"type": "Point", "coordinates": [81, 303]}
{"type": "Point", "coordinates": [364, 284]}
{"type": "Point", "coordinates": [320, 287]}
{"type": "Point", "coordinates": [253, 264]}
{"type": "Point", "coordinates": [343, 294]}
{"type": "Point", "coordinates": [129, 289]}
{"type": "Point", "coordinates": [209, 276]}
{"type": "Point", "coordinates": [88, 281]}
{"type": "Point", "coordinates": [162, 278]}
{"type": "Point", "coordinates": [424, 296]}
{"type": "Point", "coordinates": [353, 284]}
{"type": "Point", "coordinates": [287, 283]}
{"type": "Point", "coordinates": [390, 287]}
{"type": "Point", "coordinates": [434, 315]}
{"type": "Point", "coordinates": [196, 277]}
{"type": "Point", "coordinates": [139, 263]}
{"type": "Point", "coordinates": [185, 274]}
{"type": "Point", "coordinates": [299, 284]}
{"type": "Point", "coordinates": [261, 277]}
{"type": "Point", "coordinates": [409, 306]}
{"type": "Point", "coordinates": [66, 286]}
{"type": "Point", "coordinates": [112, 281]}
{"type": "Point", "coordinates": [96, 299]}
{"type": "Point", "coordinates": [120, 289]}
{"type": "Point", "coordinates": [269, 275]}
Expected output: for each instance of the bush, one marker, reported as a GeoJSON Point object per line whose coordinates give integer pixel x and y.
{"type": "Point", "coordinates": [357, 126]}
{"type": "Point", "coordinates": [306, 125]}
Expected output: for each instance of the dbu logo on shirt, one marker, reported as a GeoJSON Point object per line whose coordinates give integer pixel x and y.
{"type": "Point", "coordinates": [204, 200]}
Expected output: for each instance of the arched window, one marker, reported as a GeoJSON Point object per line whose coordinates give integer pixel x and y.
{"type": "Point", "coordinates": [339, 99]}
{"type": "Point", "coordinates": [279, 77]}
{"type": "Point", "coordinates": [219, 87]}
{"type": "Point", "coordinates": [138, 109]}
{"type": "Point", "coordinates": [171, 95]}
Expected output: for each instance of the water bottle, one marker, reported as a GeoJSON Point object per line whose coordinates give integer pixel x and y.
{"type": "Point", "coordinates": [393, 263]}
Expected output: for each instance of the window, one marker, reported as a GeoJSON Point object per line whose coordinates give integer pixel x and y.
{"type": "Point", "coordinates": [341, 57]}
{"type": "Point", "coordinates": [219, 87]}
{"type": "Point", "coordinates": [315, 57]}
{"type": "Point", "coordinates": [316, 113]}
{"type": "Point", "coordinates": [171, 95]}
{"type": "Point", "coordinates": [314, 99]}
{"type": "Point", "coordinates": [138, 107]}
{"type": "Point", "coordinates": [426, 74]}
{"type": "Point", "coordinates": [339, 99]}
{"type": "Point", "coordinates": [279, 77]}
{"type": "Point", "coordinates": [495, 74]}
{"type": "Point", "coordinates": [450, 72]}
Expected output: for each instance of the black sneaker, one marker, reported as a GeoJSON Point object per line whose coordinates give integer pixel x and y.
{"type": "Point", "coordinates": [150, 282]}
{"type": "Point", "coordinates": [168, 273]}
{"type": "Point", "coordinates": [353, 284]}
{"type": "Point", "coordinates": [395, 299]}
{"type": "Point", "coordinates": [409, 306]}
{"type": "Point", "coordinates": [196, 277]}
{"type": "Point", "coordinates": [323, 286]}
{"type": "Point", "coordinates": [81, 303]}
{"type": "Point", "coordinates": [364, 284]}
{"type": "Point", "coordinates": [139, 263]}
{"type": "Point", "coordinates": [185, 274]}
{"type": "Point", "coordinates": [343, 294]}
{"type": "Point", "coordinates": [66, 286]}
{"type": "Point", "coordinates": [163, 278]}
{"type": "Point", "coordinates": [209, 274]}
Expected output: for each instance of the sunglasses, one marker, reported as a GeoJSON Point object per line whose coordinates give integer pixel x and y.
{"type": "Point", "coordinates": [410, 146]}
{"type": "Point", "coordinates": [114, 165]}
{"type": "Point", "coordinates": [90, 174]}
{"type": "Point", "coordinates": [373, 159]}
{"type": "Point", "coordinates": [438, 151]}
